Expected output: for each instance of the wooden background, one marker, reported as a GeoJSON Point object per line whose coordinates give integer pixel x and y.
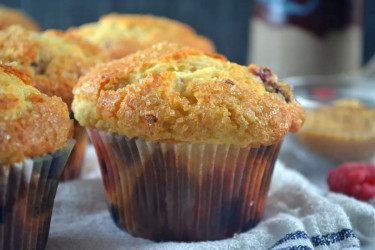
{"type": "Point", "coordinates": [224, 21]}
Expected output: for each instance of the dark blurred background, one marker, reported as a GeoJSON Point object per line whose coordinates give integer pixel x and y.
{"type": "Point", "coordinates": [226, 22]}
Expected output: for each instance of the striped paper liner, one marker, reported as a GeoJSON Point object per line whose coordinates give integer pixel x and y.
{"type": "Point", "coordinates": [75, 162]}
{"type": "Point", "coordinates": [27, 193]}
{"type": "Point", "coordinates": [183, 192]}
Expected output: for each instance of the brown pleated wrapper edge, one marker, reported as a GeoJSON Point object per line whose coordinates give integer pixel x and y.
{"type": "Point", "coordinates": [27, 194]}
{"type": "Point", "coordinates": [183, 192]}
{"type": "Point", "coordinates": [74, 165]}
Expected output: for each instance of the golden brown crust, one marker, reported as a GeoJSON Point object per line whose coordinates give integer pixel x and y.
{"type": "Point", "coordinates": [31, 124]}
{"type": "Point", "coordinates": [121, 35]}
{"type": "Point", "coordinates": [170, 93]}
{"type": "Point", "coordinates": [53, 60]}
{"type": "Point", "coordinates": [10, 16]}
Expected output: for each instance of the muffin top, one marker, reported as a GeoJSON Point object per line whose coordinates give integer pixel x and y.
{"type": "Point", "coordinates": [31, 123]}
{"type": "Point", "coordinates": [121, 34]}
{"type": "Point", "coordinates": [52, 59]}
{"type": "Point", "coordinates": [183, 95]}
{"type": "Point", "coordinates": [10, 16]}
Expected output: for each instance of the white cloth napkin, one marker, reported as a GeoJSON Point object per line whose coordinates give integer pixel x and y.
{"type": "Point", "coordinates": [298, 216]}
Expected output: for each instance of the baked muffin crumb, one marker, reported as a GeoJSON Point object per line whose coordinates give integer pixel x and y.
{"type": "Point", "coordinates": [11, 16]}
{"type": "Point", "coordinates": [52, 59]}
{"type": "Point", "coordinates": [180, 94]}
{"type": "Point", "coordinates": [122, 34]}
{"type": "Point", "coordinates": [31, 123]}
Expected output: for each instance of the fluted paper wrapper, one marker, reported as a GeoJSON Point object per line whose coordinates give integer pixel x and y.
{"type": "Point", "coordinates": [27, 193]}
{"type": "Point", "coordinates": [183, 192]}
{"type": "Point", "coordinates": [74, 165]}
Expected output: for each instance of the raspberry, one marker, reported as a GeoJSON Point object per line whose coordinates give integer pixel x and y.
{"type": "Point", "coordinates": [356, 179]}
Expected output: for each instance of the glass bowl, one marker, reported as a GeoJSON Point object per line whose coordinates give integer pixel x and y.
{"type": "Point", "coordinates": [339, 127]}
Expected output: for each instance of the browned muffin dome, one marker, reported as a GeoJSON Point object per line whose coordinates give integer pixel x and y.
{"type": "Point", "coordinates": [31, 123]}
{"type": "Point", "coordinates": [170, 93]}
{"type": "Point", "coordinates": [10, 16]}
{"type": "Point", "coordinates": [121, 35]}
{"type": "Point", "coordinates": [52, 59]}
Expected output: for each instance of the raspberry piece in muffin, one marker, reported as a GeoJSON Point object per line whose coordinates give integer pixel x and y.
{"type": "Point", "coordinates": [356, 179]}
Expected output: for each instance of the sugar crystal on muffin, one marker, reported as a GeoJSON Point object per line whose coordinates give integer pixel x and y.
{"type": "Point", "coordinates": [174, 93]}
{"type": "Point", "coordinates": [31, 123]}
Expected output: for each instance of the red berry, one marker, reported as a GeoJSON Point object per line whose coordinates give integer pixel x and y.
{"type": "Point", "coordinates": [356, 179]}
{"type": "Point", "coordinates": [323, 93]}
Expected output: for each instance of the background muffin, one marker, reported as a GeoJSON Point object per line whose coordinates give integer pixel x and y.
{"type": "Point", "coordinates": [123, 34]}
{"type": "Point", "coordinates": [54, 61]}
{"type": "Point", "coordinates": [34, 147]}
{"type": "Point", "coordinates": [186, 140]}
{"type": "Point", "coordinates": [10, 16]}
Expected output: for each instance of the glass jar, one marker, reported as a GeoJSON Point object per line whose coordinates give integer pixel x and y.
{"type": "Point", "coordinates": [305, 37]}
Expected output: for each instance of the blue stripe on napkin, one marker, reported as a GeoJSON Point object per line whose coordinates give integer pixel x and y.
{"type": "Point", "coordinates": [292, 236]}
{"type": "Point", "coordinates": [318, 240]}
{"type": "Point", "coordinates": [299, 247]}
{"type": "Point", "coordinates": [332, 238]}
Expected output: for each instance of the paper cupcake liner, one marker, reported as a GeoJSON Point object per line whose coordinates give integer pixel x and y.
{"type": "Point", "coordinates": [183, 192]}
{"type": "Point", "coordinates": [74, 165]}
{"type": "Point", "coordinates": [27, 193]}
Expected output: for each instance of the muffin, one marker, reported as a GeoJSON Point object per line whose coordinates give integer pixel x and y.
{"type": "Point", "coordinates": [10, 16]}
{"type": "Point", "coordinates": [121, 34]}
{"type": "Point", "coordinates": [54, 61]}
{"type": "Point", "coordinates": [341, 131]}
{"type": "Point", "coordinates": [34, 146]}
{"type": "Point", "coordinates": [186, 140]}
